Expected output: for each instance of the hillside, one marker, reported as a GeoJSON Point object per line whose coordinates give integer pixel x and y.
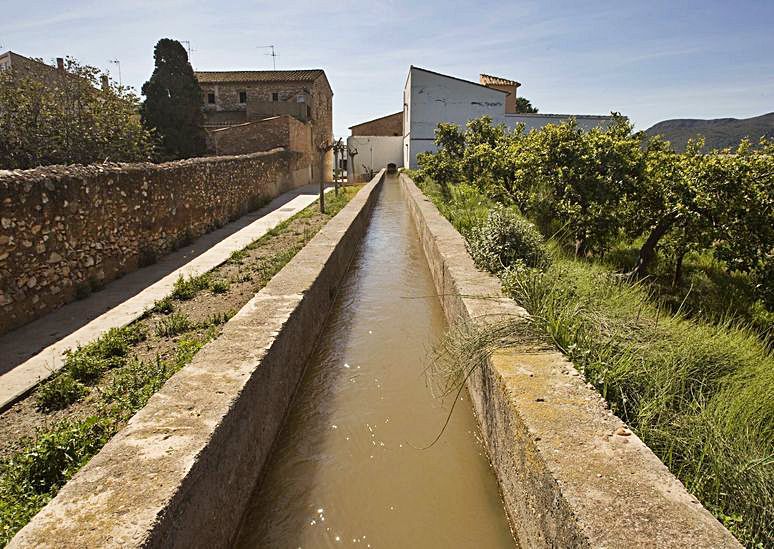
{"type": "Point", "coordinates": [718, 133]}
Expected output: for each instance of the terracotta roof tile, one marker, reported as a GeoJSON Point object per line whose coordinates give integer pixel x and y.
{"type": "Point", "coordinates": [488, 79]}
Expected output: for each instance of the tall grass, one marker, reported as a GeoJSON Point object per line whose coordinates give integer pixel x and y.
{"type": "Point", "coordinates": [700, 394]}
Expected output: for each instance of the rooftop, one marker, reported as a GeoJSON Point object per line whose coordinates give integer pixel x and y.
{"type": "Point", "coordinates": [214, 77]}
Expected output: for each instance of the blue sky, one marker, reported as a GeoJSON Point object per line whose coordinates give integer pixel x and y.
{"type": "Point", "coordinates": [650, 60]}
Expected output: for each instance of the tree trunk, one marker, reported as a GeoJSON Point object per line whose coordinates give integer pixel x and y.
{"type": "Point", "coordinates": [648, 250]}
{"type": "Point", "coordinates": [678, 268]}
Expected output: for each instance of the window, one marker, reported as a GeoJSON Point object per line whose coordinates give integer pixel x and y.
{"type": "Point", "coordinates": [211, 98]}
{"type": "Point", "coordinates": [243, 97]}
{"type": "Point", "coordinates": [275, 96]}
{"type": "Point", "coordinates": [308, 112]}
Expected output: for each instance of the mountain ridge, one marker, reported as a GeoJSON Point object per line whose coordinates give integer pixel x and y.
{"type": "Point", "coordinates": [718, 133]}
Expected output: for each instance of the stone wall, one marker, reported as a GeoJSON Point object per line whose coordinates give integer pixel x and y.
{"type": "Point", "coordinates": [263, 135]}
{"type": "Point", "coordinates": [67, 230]}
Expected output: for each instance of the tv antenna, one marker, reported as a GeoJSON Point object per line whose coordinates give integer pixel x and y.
{"type": "Point", "coordinates": [273, 55]}
{"type": "Point", "coordinates": [188, 47]}
{"type": "Point", "coordinates": [118, 64]}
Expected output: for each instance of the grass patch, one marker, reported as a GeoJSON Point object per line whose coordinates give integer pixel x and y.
{"type": "Point", "coordinates": [32, 477]}
{"type": "Point", "coordinates": [187, 288]}
{"type": "Point", "coordinates": [173, 324]}
{"type": "Point", "coordinates": [219, 286]}
{"type": "Point", "coordinates": [164, 306]}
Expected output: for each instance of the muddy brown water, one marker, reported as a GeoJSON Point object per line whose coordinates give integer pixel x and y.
{"type": "Point", "coordinates": [346, 470]}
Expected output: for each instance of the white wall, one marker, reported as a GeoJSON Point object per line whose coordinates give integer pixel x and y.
{"type": "Point", "coordinates": [434, 98]}
{"type": "Point", "coordinates": [431, 98]}
{"type": "Point", "coordinates": [375, 152]}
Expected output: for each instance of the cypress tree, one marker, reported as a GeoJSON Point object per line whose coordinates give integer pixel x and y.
{"type": "Point", "coordinates": [173, 103]}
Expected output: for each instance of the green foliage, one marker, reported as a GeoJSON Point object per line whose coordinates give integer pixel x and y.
{"type": "Point", "coordinates": [523, 105]}
{"type": "Point", "coordinates": [219, 286]}
{"type": "Point", "coordinates": [164, 305]}
{"type": "Point", "coordinates": [173, 103]}
{"type": "Point", "coordinates": [698, 393]}
{"type": "Point", "coordinates": [33, 475]}
{"type": "Point", "coordinates": [173, 324]}
{"type": "Point", "coordinates": [187, 288]}
{"type": "Point", "coordinates": [53, 118]}
{"type": "Point", "coordinates": [591, 188]}
{"type": "Point", "coordinates": [701, 396]}
{"type": "Point", "coordinates": [86, 364]}
{"type": "Point", "coordinates": [505, 239]}
{"type": "Point", "coordinates": [59, 392]}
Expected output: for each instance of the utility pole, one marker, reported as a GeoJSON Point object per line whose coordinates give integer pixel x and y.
{"type": "Point", "coordinates": [273, 55]}
{"type": "Point", "coordinates": [118, 64]}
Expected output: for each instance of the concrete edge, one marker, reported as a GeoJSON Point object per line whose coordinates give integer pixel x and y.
{"type": "Point", "coordinates": [571, 474]}
{"type": "Point", "coordinates": [181, 471]}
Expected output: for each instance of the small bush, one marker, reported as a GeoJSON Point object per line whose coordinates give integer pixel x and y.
{"type": "Point", "coordinates": [174, 324]}
{"type": "Point", "coordinates": [238, 256]}
{"type": "Point", "coordinates": [59, 392]}
{"type": "Point", "coordinates": [187, 288]}
{"type": "Point", "coordinates": [164, 306]}
{"type": "Point", "coordinates": [505, 238]}
{"type": "Point", "coordinates": [219, 286]}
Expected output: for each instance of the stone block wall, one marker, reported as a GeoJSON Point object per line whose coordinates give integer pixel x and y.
{"type": "Point", "coordinates": [66, 230]}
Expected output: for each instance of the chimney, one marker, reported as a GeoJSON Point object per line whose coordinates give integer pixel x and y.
{"type": "Point", "coordinates": [502, 84]}
{"type": "Point", "coordinates": [60, 65]}
{"type": "Point", "coordinates": [105, 82]}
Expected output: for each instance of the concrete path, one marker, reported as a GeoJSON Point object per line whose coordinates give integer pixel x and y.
{"type": "Point", "coordinates": [33, 352]}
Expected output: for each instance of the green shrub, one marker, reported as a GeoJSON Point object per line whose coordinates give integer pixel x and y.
{"type": "Point", "coordinates": [164, 306]}
{"type": "Point", "coordinates": [59, 392]}
{"type": "Point", "coordinates": [172, 325]}
{"type": "Point", "coordinates": [505, 238]}
{"type": "Point", "coordinates": [219, 286]}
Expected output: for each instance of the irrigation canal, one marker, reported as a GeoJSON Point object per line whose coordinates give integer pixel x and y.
{"type": "Point", "coordinates": [346, 469]}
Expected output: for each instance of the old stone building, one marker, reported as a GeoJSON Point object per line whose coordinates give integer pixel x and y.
{"type": "Point", "coordinates": [236, 98]}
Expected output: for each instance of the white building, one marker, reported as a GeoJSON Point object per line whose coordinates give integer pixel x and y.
{"type": "Point", "coordinates": [430, 98]}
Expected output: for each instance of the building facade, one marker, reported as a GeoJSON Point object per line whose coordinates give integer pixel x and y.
{"type": "Point", "coordinates": [237, 97]}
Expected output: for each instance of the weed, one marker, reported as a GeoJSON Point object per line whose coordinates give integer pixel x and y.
{"type": "Point", "coordinates": [172, 325]}
{"type": "Point", "coordinates": [219, 286]}
{"type": "Point", "coordinates": [216, 319]}
{"type": "Point", "coordinates": [187, 288]}
{"type": "Point", "coordinates": [59, 392]}
{"type": "Point", "coordinates": [164, 306]}
{"type": "Point", "coordinates": [238, 257]}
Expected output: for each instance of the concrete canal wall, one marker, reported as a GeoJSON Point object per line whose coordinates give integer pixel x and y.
{"type": "Point", "coordinates": [180, 473]}
{"type": "Point", "coordinates": [570, 472]}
